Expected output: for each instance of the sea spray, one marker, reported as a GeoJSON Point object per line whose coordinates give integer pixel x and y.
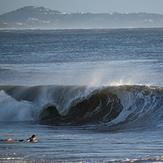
{"type": "Point", "coordinates": [13, 110]}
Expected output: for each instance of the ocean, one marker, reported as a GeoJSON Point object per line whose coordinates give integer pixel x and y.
{"type": "Point", "coordinates": [89, 95]}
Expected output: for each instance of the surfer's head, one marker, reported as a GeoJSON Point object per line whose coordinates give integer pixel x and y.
{"type": "Point", "coordinates": [32, 138]}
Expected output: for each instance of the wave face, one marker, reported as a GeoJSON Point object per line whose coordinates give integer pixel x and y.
{"type": "Point", "coordinates": [112, 105]}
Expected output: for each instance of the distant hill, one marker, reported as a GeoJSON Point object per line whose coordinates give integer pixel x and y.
{"type": "Point", "coordinates": [40, 18]}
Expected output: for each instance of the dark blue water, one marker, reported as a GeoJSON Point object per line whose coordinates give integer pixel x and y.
{"type": "Point", "coordinates": [88, 95]}
{"type": "Point", "coordinates": [53, 46]}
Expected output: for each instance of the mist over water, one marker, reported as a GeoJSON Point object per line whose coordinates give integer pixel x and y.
{"type": "Point", "coordinates": [89, 95]}
{"type": "Point", "coordinates": [85, 73]}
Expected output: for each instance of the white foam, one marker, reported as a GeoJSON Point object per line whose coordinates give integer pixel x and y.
{"type": "Point", "coordinates": [13, 110]}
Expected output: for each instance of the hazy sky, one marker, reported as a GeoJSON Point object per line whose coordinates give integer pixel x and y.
{"type": "Point", "coordinates": [92, 6]}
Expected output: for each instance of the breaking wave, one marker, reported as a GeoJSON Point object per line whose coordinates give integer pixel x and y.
{"type": "Point", "coordinates": [112, 105]}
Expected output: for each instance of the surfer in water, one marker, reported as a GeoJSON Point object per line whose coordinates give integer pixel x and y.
{"type": "Point", "coordinates": [31, 139]}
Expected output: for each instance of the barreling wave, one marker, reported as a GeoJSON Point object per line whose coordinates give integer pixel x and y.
{"type": "Point", "coordinates": [112, 105]}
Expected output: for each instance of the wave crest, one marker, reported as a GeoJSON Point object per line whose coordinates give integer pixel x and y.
{"type": "Point", "coordinates": [113, 105]}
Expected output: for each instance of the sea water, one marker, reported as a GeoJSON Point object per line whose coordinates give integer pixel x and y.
{"type": "Point", "coordinates": [89, 95]}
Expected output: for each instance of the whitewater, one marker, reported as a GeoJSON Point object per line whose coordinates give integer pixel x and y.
{"type": "Point", "coordinates": [89, 95]}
